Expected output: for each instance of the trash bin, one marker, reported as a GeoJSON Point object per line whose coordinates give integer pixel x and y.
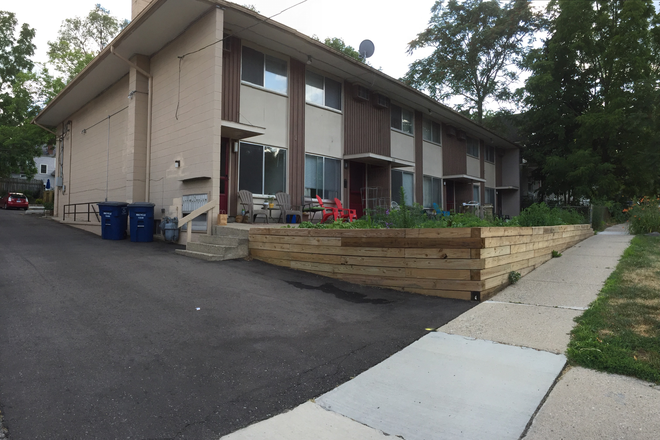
{"type": "Point", "coordinates": [114, 217]}
{"type": "Point", "coordinates": [142, 221]}
{"type": "Point", "coordinates": [169, 227]}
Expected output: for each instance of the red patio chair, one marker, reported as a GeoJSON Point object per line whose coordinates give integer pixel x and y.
{"type": "Point", "coordinates": [348, 214]}
{"type": "Point", "coordinates": [328, 211]}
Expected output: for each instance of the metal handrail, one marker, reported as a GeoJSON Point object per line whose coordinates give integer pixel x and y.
{"type": "Point", "coordinates": [76, 212]}
{"type": "Point", "coordinates": [193, 215]}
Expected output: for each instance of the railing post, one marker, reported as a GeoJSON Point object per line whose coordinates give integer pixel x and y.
{"type": "Point", "coordinates": [189, 233]}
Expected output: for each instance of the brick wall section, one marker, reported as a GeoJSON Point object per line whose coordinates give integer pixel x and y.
{"type": "Point", "coordinates": [463, 263]}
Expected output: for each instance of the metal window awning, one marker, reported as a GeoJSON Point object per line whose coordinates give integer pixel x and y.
{"type": "Point", "coordinates": [236, 130]}
{"type": "Point", "coordinates": [377, 159]}
{"type": "Point", "coordinates": [464, 178]}
{"type": "Point", "coordinates": [504, 188]}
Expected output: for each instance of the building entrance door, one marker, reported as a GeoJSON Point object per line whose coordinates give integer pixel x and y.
{"type": "Point", "coordinates": [357, 181]}
{"type": "Point", "coordinates": [224, 175]}
{"type": "Point", "coordinates": [451, 196]}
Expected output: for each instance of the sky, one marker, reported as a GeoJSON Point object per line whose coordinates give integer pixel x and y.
{"type": "Point", "coordinates": [383, 22]}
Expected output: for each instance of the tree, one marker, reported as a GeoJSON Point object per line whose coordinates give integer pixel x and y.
{"type": "Point", "coordinates": [79, 40]}
{"type": "Point", "coordinates": [591, 100]}
{"type": "Point", "coordinates": [339, 45]}
{"type": "Point", "coordinates": [19, 141]}
{"type": "Point", "coordinates": [478, 48]}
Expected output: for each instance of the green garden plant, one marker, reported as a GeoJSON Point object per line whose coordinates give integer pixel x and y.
{"type": "Point", "coordinates": [514, 277]}
{"type": "Point", "coordinates": [645, 215]}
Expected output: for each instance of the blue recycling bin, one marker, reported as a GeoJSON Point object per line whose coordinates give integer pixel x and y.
{"type": "Point", "coordinates": [142, 221]}
{"type": "Point", "coordinates": [114, 218]}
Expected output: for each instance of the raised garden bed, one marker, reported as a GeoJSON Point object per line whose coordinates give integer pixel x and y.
{"type": "Point", "coordinates": [463, 263]}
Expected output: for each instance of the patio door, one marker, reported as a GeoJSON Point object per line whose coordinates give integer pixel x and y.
{"type": "Point", "coordinates": [357, 181]}
{"type": "Point", "coordinates": [224, 175]}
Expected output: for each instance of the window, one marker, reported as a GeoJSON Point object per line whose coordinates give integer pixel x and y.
{"type": "Point", "coordinates": [262, 170]}
{"type": "Point", "coordinates": [401, 119]}
{"type": "Point", "coordinates": [264, 70]}
{"type": "Point", "coordinates": [432, 192]}
{"type": "Point", "coordinates": [490, 154]}
{"type": "Point", "coordinates": [43, 168]}
{"type": "Point", "coordinates": [490, 196]}
{"type": "Point", "coordinates": [476, 193]}
{"type": "Point", "coordinates": [322, 177]}
{"type": "Point", "coordinates": [405, 180]}
{"type": "Point", "coordinates": [473, 147]}
{"type": "Point", "coordinates": [431, 131]}
{"type": "Point", "coordinates": [323, 91]}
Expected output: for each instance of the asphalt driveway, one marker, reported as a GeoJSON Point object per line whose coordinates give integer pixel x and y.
{"type": "Point", "coordinates": [118, 340]}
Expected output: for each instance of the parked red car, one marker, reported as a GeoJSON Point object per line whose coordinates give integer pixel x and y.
{"type": "Point", "coordinates": [14, 200]}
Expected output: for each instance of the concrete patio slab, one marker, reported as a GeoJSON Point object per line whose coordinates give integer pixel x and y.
{"type": "Point", "coordinates": [449, 387]}
{"type": "Point", "coordinates": [550, 293]}
{"type": "Point", "coordinates": [516, 324]}
{"type": "Point", "coordinates": [308, 421]}
{"type": "Point", "coordinates": [587, 404]}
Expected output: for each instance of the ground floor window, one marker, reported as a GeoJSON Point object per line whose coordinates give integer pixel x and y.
{"type": "Point", "coordinates": [476, 193]}
{"type": "Point", "coordinates": [261, 169]}
{"type": "Point", "coordinates": [432, 192]}
{"type": "Point", "coordinates": [406, 180]}
{"type": "Point", "coordinates": [490, 196]}
{"type": "Point", "coordinates": [322, 177]}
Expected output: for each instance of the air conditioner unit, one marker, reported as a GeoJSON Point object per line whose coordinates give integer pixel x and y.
{"type": "Point", "coordinates": [380, 101]}
{"type": "Point", "coordinates": [360, 93]}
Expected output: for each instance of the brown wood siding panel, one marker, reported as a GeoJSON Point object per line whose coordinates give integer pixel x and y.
{"type": "Point", "coordinates": [482, 169]}
{"type": "Point", "coordinates": [498, 167]}
{"type": "Point", "coordinates": [297, 132]}
{"type": "Point", "coordinates": [231, 81]}
{"type": "Point", "coordinates": [454, 154]}
{"type": "Point", "coordinates": [366, 128]}
{"type": "Point", "coordinates": [419, 159]}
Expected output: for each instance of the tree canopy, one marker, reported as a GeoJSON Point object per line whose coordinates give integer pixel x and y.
{"type": "Point", "coordinates": [477, 48]}
{"type": "Point", "coordinates": [19, 140]}
{"type": "Point", "coordinates": [592, 98]}
{"type": "Point", "coordinates": [80, 39]}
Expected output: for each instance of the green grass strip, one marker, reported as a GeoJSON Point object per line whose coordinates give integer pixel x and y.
{"type": "Point", "coordinates": [620, 332]}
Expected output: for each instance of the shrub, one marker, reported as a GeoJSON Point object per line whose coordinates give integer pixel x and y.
{"type": "Point", "coordinates": [556, 254]}
{"type": "Point", "coordinates": [645, 216]}
{"type": "Point", "coordinates": [514, 277]}
{"type": "Point", "coordinates": [38, 202]}
{"type": "Point", "coordinates": [48, 206]}
{"type": "Point", "coordinates": [540, 214]}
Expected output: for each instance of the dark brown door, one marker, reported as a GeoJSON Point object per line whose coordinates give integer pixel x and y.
{"type": "Point", "coordinates": [451, 197]}
{"type": "Point", "coordinates": [357, 181]}
{"type": "Point", "coordinates": [224, 175]}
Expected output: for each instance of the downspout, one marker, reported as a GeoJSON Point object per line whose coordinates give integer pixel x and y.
{"type": "Point", "coordinates": [147, 185]}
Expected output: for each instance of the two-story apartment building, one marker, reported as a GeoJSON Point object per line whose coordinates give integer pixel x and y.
{"type": "Point", "coordinates": [199, 99]}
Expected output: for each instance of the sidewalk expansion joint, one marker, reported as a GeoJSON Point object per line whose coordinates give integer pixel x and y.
{"type": "Point", "coordinates": [581, 309]}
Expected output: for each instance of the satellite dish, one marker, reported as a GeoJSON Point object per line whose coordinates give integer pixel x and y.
{"type": "Point", "coordinates": [366, 49]}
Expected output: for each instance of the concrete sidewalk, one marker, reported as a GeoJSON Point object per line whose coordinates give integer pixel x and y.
{"type": "Point", "coordinates": [495, 372]}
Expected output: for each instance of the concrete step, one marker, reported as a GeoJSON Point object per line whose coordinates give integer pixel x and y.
{"type": "Point", "coordinates": [199, 255]}
{"type": "Point", "coordinates": [223, 240]}
{"type": "Point", "coordinates": [226, 231]}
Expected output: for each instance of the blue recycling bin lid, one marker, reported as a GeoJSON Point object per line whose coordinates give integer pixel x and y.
{"type": "Point", "coordinates": [141, 205]}
{"type": "Point", "coordinates": [112, 203]}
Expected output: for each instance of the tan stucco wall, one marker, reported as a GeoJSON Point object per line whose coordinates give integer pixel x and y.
{"type": "Point", "coordinates": [323, 132]}
{"type": "Point", "coordinates": [473, 167]}
{"type": "Point", "coordinates": [190, 134]}
{"type": "Point", "coordinates": [489, 174]}
{"type": "Point", "coordinates": [403, 146]}
{"type": "Point", "coordinates": [269, 110]}
{"type": "Point", "coordinates": [432, 159]}
{"type": "Point", "coordinates": [85, 169]}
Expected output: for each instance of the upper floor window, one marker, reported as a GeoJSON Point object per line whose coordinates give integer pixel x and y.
{"type": "Point", "coordinates": [323, 91]}
{"type": "Point", "coordinates": [473, 147]}
{"type": "Point", "coordinates": [401, 119]}
{"type": "Point", "coordinates": [264, 70]}
{"type": "Point", "coordinates": [44, 168]}
{"type": "Point", "coordinates": [432, 131]}
{"type": "Point", "coordinates": [490, 154]}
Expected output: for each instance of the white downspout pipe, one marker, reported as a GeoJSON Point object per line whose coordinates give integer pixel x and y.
{"type": "Point", "coordinates": [149, 113]}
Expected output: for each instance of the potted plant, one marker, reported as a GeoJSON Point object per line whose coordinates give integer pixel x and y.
{"type": "Point", "coordinates": [271, 202]}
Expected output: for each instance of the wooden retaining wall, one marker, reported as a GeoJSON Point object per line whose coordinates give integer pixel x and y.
{"type": "Point", "coordinates": [463, 263]}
